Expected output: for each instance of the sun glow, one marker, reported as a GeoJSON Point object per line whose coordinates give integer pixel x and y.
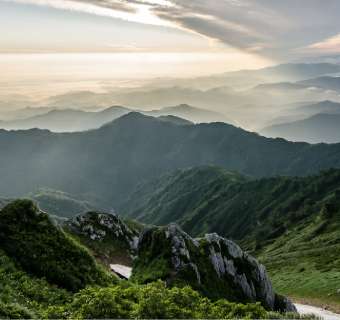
{"type": "Point", "coordinates": [130, 12]}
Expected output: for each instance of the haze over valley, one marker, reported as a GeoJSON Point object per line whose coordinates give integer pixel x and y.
{"type": "Point", "coordinates": [168, 159]}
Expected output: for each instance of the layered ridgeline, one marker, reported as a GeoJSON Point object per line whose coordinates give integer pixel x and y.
{"type": "Point", "coordinates": [70, 120]}
{"type": "Point", "coordinates": [62, 205]}
{"type": "Point", "coordinates": [109, 161]}
{"type": "Point", "coordinates": [213, 199]}
{"type": "Point", "coordinates": [316, 129]}
{"type": "Point", "coordinates": [44, 271]}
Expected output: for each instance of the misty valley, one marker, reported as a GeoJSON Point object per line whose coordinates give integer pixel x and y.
{"type": "Point", "coordinates": [178, 198]}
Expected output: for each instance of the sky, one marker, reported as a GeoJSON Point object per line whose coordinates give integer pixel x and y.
{"type": "Point", "coordinates": [80, 40]}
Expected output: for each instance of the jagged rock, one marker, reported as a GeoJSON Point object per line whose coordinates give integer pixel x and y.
{"type": "Point", "coordinates": [134, 243]}
{"type": "Point", "coordinates": [217, 261]}
{"type": "Point", "coordinates": [261, 276]}
{"type": "Point", "coordinates": [290, 307]}
{"type": "Point", "coordinates": [96, 226]}
{"type": "Point", "coordinates": [196, 271]}
{"type": "Point", "coordinates": [202, 258]}
{"type": "Point", "coordinates": [229, 267]}
{"type": "Point", "coordinates": [144, 231]}
{"type": "Point", "coordinates": [234, 249]}
{"type": "Point", "coordinates": [249, 290]}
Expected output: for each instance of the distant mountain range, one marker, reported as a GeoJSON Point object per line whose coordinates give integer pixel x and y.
{"type": "Point", "coordinates": [330, 83]}
{"type": "Point", "coordinates": [316, 129]}
{"type": "Point", "coordinates": [290, 71]}
{"type": "Point", "coordinates": [109, 161]}
{"type": "Point", "coordinates": [70, 120]}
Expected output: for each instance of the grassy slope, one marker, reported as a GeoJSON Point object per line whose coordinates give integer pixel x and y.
{"type": "Point", "coordinates": [40, 265]}
{"type": "Point", "coordinates": [213, 199]}
{"type": "Point", "coordinates": [304, 261]}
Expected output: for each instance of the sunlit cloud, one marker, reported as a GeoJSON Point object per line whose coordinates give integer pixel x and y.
{"type": "Point", "coordinates": [135, 11]}
{"type": "Point", "coordinates": [331, 45]}
{"type": "Point", "coordinates": [255, 47]}
{"type": "Point", "coordinates": [272, 28]}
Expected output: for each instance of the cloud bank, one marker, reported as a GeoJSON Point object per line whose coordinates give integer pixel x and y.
{"type": "Point", "coordinates": [272, 28]}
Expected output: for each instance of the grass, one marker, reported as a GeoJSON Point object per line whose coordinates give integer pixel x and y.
{"type": "Point", "coordinates": [304, 262]}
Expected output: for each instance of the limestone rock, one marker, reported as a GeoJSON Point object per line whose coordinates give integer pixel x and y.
{"type": "Point", "coordinates": [289, 305]}
{"type": "Point", "coordinates": [96, 226]}
{"type": "Point", "coordinates": [224, 257]}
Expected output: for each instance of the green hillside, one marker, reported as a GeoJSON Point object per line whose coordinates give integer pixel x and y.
{"type": "Point", "coordinates": [30, 237]}
{"type": "Point", "coordinates": [290, 224]}
{"type": "Point", "coordinates": [109, 161]}
{"type": "Point", "coordinates": [44, 272]}
{"type": "Point", "coordinates": [212, 199]}
{"type": "Point", "coordinates": [61, 205]}
{"type": "Point", "coordinates": [301, 253]}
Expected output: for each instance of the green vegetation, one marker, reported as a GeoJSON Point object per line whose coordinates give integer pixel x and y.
{"type": "Point", "coordinates": [212, 199]}
{"type": "Point", "coordinates": [42, 270]}
{"type": "Point", "coordinates": [110, 161]}
{"type": "Point", "coordinates": [61, 205]}
{"type": "Point", "coordinates": [23, 295]}
{"type": "Point", "coordinates": [155, 301]}
{"type": "Point", "coordinates": [301, 252]}
{"type": "Point", "coordinates": [29, 237]}
{"type": "Point", "coordinates": [156, 261]}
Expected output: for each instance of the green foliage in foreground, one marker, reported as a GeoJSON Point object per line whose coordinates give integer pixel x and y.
{"type": "Point", "coordinates": [28, 236]}
{"type": "Point", "coordinates": [212, 199]}
{"type": "Point", "coordinates": [24, 296]}
{"type": "Point", "coordinates": [154, 301]}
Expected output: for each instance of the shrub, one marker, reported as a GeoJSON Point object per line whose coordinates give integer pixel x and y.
{"type": "Point", "coordinates": [153, 301]}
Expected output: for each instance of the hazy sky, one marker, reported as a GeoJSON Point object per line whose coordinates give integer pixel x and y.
{"type": "Point", "coordinates": [117, 38]}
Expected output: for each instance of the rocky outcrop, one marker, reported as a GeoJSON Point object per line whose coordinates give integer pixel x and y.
{"type": "Point", "coordinates": [289, 306]}
{"type": "Point", "coordinates": [101, 227]}
{"type": "Point", "coordinates": [205, 263]}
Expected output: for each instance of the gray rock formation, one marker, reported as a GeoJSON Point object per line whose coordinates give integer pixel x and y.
{"type": "Point", "coordinates": [95, 226]}
{"type": "Point", "coordinates": [289, 305]}
{"type": "Point", "coordinates": [225, 258]}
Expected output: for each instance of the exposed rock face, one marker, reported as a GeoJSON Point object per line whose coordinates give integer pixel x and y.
{"type": "Point", "coordinates": [289, 305]}
{"type": "Point", "coordinates": [95, 225]}
{"type": "Point", "coordinates": [104, 227]}
{"type": "Point", "coordinates": [259, 273]}
{"type": "Point", "coordinates": [211, 259]}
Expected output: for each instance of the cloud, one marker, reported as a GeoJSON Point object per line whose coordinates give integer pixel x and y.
{"type": "Point", "coordinates": [130, 10]}
{"type": "Point", "coordinates": [331, 45]}
{"type": "Point", "coordinates": [274, 28]}
{"type": "Point", "coordinates": [332, 61]}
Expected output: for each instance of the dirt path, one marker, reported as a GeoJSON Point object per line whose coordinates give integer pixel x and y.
{"type": "Point", "coordinates": [303, 309]}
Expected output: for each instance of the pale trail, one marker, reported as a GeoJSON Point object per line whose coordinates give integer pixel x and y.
{"type": "Point", "coordinates": [303, 309]}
